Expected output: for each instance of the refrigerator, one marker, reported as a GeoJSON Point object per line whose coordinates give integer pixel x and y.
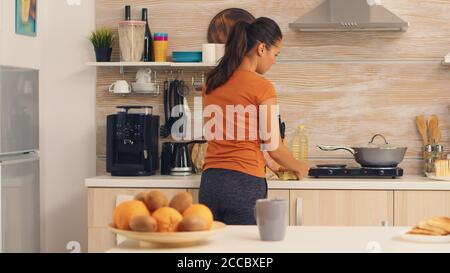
{"type": "Point", "coordinates": [19, 160]}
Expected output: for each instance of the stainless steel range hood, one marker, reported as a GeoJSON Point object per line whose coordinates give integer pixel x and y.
{"type": "Point", "coordinates": [350, 15]}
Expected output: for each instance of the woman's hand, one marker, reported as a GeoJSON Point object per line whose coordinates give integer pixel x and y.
{"type": "Point", "coordinates": [272, 165]}
{"type": "Point", "coordinates": [302, 172]}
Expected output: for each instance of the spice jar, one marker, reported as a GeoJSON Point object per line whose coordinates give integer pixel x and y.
{"type": "Point", "coordinates": [439, 152]}
{"type": "Point", "coordinates": [428, 159]}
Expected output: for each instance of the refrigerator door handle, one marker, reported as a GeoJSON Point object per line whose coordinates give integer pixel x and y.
{"type": "Point", "coordinates": [18, 161]}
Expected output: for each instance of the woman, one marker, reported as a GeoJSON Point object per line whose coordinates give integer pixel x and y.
{"type": "Point", "coordinates": [234, 170]}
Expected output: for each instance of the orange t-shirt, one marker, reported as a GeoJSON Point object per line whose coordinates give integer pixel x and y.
{"type": "Point", "coordinates": [247, 89]}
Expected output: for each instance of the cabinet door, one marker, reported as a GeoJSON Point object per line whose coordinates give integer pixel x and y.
{"type": "Point", "coordinates": [341, 208]}
{"type": "Point", "coordinates": [101, 204]}
{"type": "Point", "coordinates": [411, 207]}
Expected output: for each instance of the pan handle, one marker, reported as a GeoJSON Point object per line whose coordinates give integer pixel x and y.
{"type": "Point", "coordinates": [335, 148]}
{"type": "Point", "coordinates": [379, 135]}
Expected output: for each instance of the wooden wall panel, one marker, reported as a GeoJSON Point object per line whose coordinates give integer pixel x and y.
{"type": "Point", "coordinates": [345, 87]}
{"type": "Point", "coordinates": [349, 103]}
{"type": "Point", "coordinates": [187, 21]}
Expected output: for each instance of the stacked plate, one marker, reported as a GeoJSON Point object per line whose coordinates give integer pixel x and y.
{"type": "Point", "coordinates": [187, 56]}
{"type": "Point", "coordinates": [145, 88]}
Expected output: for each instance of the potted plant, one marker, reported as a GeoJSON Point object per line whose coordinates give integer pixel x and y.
{"type": "Point", "coordinates": [102, 40]}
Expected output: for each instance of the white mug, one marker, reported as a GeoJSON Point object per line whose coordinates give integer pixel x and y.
{"type": "Point", "coordinates": [220, 52]}
{"type": "Point", "coordinates": [209, 53]}
{"type": "Point", "coordinates": [120, 87]}
{"type": "Point", "coordinates": [144, 76]}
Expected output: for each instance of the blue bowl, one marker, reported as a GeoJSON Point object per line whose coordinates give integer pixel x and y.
{"type": "Point", "coordinates": [187, 56]}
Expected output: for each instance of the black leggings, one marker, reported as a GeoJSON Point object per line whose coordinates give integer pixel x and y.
{"type": "Point", "coordinates": [232, 195]}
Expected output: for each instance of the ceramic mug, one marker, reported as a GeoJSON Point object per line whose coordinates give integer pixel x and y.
{"type": "Point", "coordinates": [144, 76]}
{"type": "Point", "coordinates": [272, 218]}
{"type": "Point", "coordinates": [209, 53]}
{"type": "Point", "coordinates": [120, 87]}
{"type": "Point", "coordinates": [220, 52]}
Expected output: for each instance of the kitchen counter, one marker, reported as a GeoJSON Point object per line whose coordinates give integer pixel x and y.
{"type": "Point", "coordinates": [193, 182]}
{"type": "Point", "coordinates": [298, 240]}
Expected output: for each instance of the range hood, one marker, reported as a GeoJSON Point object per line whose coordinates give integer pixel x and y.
{"type": "Point", "coordinates": [350, 15]}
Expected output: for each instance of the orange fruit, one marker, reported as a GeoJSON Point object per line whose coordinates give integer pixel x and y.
{"type": "Point", "coordinates": [202, 211]}
{"type": "Point", "coordinates": [127, 210]}
{"type": "Point", "coordinates": [167, 219]}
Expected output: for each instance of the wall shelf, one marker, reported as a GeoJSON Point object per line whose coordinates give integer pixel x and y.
{"type": "Point", "coordinates": [166, 65]}
{"type": "Point", "coordinates": [149, 64]}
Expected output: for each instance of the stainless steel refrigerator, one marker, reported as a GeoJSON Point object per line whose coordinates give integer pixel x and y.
{"type": "Point", "coordinates": [19, 160]}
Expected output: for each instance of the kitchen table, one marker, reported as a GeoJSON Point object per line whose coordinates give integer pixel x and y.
{"type": "Point", "coordinates": [245, 239]}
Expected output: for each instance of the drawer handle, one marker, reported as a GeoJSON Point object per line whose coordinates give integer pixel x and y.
{"type": "Point", "coordinates": [299, 212]}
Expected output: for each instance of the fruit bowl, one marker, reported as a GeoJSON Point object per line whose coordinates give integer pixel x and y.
{"type": "Point", "coordinates": [170, 237]}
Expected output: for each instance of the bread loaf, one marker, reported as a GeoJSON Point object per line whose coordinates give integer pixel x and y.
{"type": "Point", "coordinates": [419, 231]}
{"type": "Point", "coordinates": [437, 226]}
{"type": "Point", "coordinates": [440, 222]}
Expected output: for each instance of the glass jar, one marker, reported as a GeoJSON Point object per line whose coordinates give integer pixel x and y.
{"type": "Point", "coordinates": [131, 40]}
{"type": "Point", "coordinates": [428, 159]}
{"type": "Point", "coordinates": [439, 153]}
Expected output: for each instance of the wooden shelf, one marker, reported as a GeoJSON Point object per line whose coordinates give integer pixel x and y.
{"type": "Point", "coordinates": [150, 64]}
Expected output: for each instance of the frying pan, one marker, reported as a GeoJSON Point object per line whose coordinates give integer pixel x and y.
{"type": "Point", "coordinates": [373, 155]}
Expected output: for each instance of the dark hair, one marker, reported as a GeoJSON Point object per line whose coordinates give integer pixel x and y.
{"type": "Point", "coordinates": [243, 38]}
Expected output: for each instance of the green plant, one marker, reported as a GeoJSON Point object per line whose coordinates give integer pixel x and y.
{"type": "Point", "coordinates": [102, 38]}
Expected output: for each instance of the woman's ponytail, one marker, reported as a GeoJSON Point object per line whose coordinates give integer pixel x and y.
{"type": "Point", "coordinates": [235, 50]}
{"type": "Point", "coordinates": [243, 37]}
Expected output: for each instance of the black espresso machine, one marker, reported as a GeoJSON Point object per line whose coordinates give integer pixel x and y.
{"type": "Point", "coordinates": [133, 142]}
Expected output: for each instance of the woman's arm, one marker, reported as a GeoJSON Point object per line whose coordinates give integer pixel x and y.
{"type": "Point", "coordinates": [279, 152]}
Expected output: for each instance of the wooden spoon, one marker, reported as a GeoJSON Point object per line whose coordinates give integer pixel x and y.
{"type": "Point", "coordinates": [433, 127]}
{"type": "Point", "coordinates": [422, 127]}
{"type": "Point", "coordinates": [438, 137]}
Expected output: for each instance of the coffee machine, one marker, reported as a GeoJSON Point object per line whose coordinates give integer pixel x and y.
{"type": "Point", "coordinates": [133, 142]}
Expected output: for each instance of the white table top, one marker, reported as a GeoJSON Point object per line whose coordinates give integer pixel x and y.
{"type": "Point", "coordinates": [193, 182]}
{"type": "Point", "coordinates": [245, 239]}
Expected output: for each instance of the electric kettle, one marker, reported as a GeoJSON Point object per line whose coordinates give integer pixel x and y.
{"type": "Point", "coordinates": [176, 158]}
